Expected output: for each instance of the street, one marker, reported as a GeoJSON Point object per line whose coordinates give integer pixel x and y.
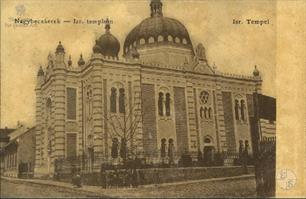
{"type": "Point", "coordinates": [228, 188]}
{"type": "Point", "coordinates": [26, 190]}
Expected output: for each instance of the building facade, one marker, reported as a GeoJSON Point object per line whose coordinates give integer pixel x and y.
{"type": "Point", "coordinates": [161, 94]}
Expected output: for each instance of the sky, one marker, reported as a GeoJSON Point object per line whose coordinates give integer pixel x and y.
{"type": "Point", "coordinates": [232, 48]}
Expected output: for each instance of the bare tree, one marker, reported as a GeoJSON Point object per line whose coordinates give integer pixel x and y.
{"type": "Point", "coordinates": [123, 124]}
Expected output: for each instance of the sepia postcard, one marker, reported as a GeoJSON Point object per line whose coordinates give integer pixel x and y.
{"type": "Point", "coordinates": [153, 98]}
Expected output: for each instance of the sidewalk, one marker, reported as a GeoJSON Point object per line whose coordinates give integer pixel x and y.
{"type": "Point", "coordinates": [96, 191]}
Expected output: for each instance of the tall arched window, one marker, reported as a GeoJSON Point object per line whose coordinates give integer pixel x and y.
{"type": "Point", "coordinates": [167, 104]}
{"type": "Point", "coordinates": [209, 113]}
{"type": "Point", "coordinates": [160, 104]}
{"type": "Point", "coordinates": [237, 109]}
{"type": "Point", "coordinates": [113, 99]}
{"type": "Point", "coordinates": [242, 110]}
{"type": "Point", "coordinates": [201, 112]}
{"type": "Point", "coordinates": [121, 100]}
{"type": "Point", "coordinates": [205, 112]}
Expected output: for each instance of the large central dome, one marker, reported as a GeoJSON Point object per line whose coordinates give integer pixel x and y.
{"type": "Point", "coordinates": [157, 30]}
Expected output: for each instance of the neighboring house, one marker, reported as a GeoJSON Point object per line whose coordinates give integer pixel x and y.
{"type": "Point", "coordinates": [19, 153]}
{"type": "Point", "coordinates": [4, 139]}
{"type": "Point", "coordinates": [268, 129]}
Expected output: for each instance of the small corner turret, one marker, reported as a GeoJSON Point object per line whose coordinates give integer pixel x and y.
{"type": "Point", "coordinates": [60, 56]}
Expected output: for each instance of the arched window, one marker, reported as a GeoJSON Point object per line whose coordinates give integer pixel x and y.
{"type": "Point", "coordinates": [113, 100]}
{"type": "Point", "coordinates": [177, 40]}
{"type": "Point", "coordinates": [237, 109]}
{"type": "Point", "coordinates": [134, 44]}
{"type": "Point", "coordinates": [160, 38]}
{"type": "Point", "coordinates": [142, 41]}
{"type": "Point", "coordinates": [170, 38]}
{"type": "Point", "coordinates": [121, 100]}
{"type": "Point", "coordinates": [207, 141]}
{"type": "Point", "coordinates": [184, 41]}
{"type": "Point", "coordinates": [151, 40]}
{"type": "Point", "coordinates": [160, 104]}
{"type": "Point", "coordinates": [205, 112]}
{"type": "Point", "coordinates": [242, 108]}
{"type": "Point", "coordinates": [167, 104]}
{"type": "Point", "coordinates": [201, 112]}
{"type": "Point", "coordinates": [209, 113]}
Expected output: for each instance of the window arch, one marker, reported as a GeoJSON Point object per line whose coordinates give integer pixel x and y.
{"type": "Point", "coordinates": [121, 100]}
{"type": "Point", "coordinates": [160, 104]}
{"type": "Point", "coordinates": [160, 38]}
{"type": "Point", "coordinates": [113, 100]}
{"type": "Point", "coordinates": [168, 104]}
{"type": "Point", "coordinates": [242, 108]}
{"type": "Point", "coordinates": [142, 41]}
{"type": "Point", "coordinates": [170, 38]}
{"type": "Point", "coordinates": [237, 109]}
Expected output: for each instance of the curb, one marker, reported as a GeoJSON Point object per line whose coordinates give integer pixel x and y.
{"type": "Point", "coordinates": [200, 180]}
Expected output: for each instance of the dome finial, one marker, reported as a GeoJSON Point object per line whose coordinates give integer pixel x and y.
{"type": "Point", "coordinates": [256, 71]}
{"type": "Point", "coordinates": [156, 8]}
{"type": "Point", "coordinates": [69, 61]}
{"type": "Point", "coordinates": [60, 48]}
{"type": "Point", "coordinates": [81, 61]}
{"type": "Point", "coordinates": [107, 26]}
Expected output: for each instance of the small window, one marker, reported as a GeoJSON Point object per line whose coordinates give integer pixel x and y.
{"type": "Point", "coordinates": [207, 141]}
{"type": "Point", "coordinates": [151, 40]}
{"type": "Point", "coordinates": [170, 38]}
{"type": "Point", "coordinates": [160, 38]}
{"type": "Point", "coordinates": [177, 40]}
{"type": "Point", "coordinates": [184, 41]}
{"type": "Point", "coordinates": [142, 41]}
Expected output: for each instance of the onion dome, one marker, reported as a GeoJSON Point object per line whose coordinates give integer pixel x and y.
{"type": "Point", "coordinates": [69, 61]}
{"type": "Point", "coordinates": [96, 48]}
{"type": "Point", "coordinates": [40, 72]}
{"type": "Point", "coordinates": [107, 44]}
{"type": "Point", "coordinates": [158, 29]}
{"type": "Point", "coordinates": [81, 61]}
{"type": "Point", "coordinates": [256, 72]}
{"type": "Point", "coordinates": [60, 48]}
